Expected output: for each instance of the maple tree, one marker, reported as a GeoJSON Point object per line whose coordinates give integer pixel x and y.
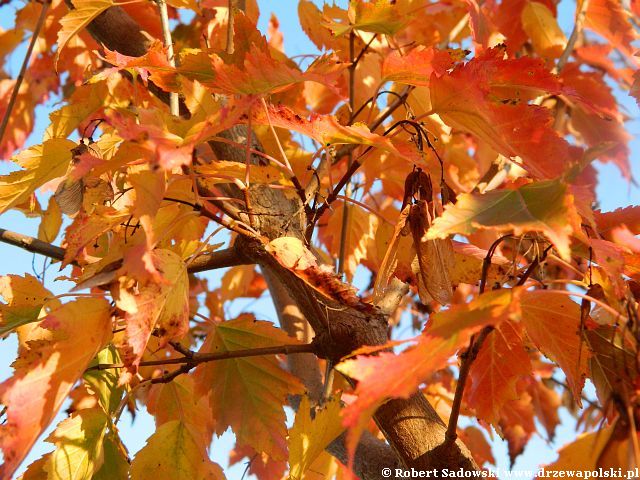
{"type": "Point", "coordinates": [443, 151]}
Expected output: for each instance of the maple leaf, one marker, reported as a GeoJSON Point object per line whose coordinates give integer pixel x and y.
{"type": "Point", "coordinates": [388, 375]}
{"type": "Point", "coordinates": [242, 281]}
{"type": "Point", "coordinates": [490, 308]}
{"type": "Point", "coordinates": [540, 23]}
{"type": "Point", "coordinates": [326, 130]}
{"type": "Point", "coordinates": [415, 67]}
{"type": "Point", "coordinates": [309, 437]}
{"type": "Point", "coordinates": [174, 451]}
{"type": "Point", "coordinates": [248, 394]}
{"type": "Point", "coordinates": [161, 305]}
{"type": "Point", "coordinates": [546, 207]}
{"type": "Point", "coordinates": [78, 440]}
{"type": "Point", "coordinates": [501, 362]}
{"type": "Point", "coordinates": [56, 353]}
{"type": "Point", "coordinates": [41, 163]}
{"type": "Point", "coordinates": [463, 100]}
{"type": "Point", "coordinates": [359, 232]}
{"type": "Point", "coordinates": [87, 227]}
{"type": "Point", "coordinates": [79, 17]}
{"type": "Point", "coordinates": [516, 423]}
{"type": "Point", "coordinates": [606, 448]}
{"type": "Point", "coordinates": [608, 18]}
{"type": "Point", "coordinates": [376, 17]}
{"type": "Point", "coordinates": [552, 322]}
{"type": "Point", "coordinates": [291, 253]}
{"type": "Point", "coordinates": [25, 297]}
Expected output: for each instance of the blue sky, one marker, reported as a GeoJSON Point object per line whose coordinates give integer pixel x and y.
{"type": "Point", "coordinates": [613, 192]}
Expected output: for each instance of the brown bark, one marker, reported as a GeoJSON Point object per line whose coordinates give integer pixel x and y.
{"type": "Point", "coordinates": [411, 426]}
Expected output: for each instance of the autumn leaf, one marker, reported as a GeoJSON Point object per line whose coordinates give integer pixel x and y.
{"type": "Point", "coordinates": [326, 130]}
{"type": "Point", "coordinates": [484, 97]}
{"type": "Point", "coordinates": [51, 222]}
{"type": "Point", "coordinates": [545, 207]}
{"type": "Point", "coordinates": [25, 297]}
{"type": "Point", "coordinates": [242, 281]}
{"type": "Point", "coordinates": [501, 362]}
{"type": "Point", "coordinates": [608, 18]}
{"type": "Point", "coordinates": [291, 253]}
{"type": "Point", "coordinates": [416, 67]}
{"type": "Point", "coordinates": [56, 353]}
{"type": "Point", "coordinates": [87, 227]}
{"type": "Point", "coordinates": [309, 437]}
{"type": "Point", "coordinates": [543, 29]}
{"type": "Point", "coordinates": [360, 230]}
{"type": "Point", "coordinates": [162, 305]}
{"type": "Point", "coordinates": [79, 17]}
{"type": "Point", "coordinates": [174, 451]}
{"type": "Point", "coordinates": [41, 163]}
{"type": "Point", "coordinates": [248, 394]}
{"type": "Point", "coordinates": [552, 322]}
{"type": "Point", "coordinates": [388, 375]}
{"type": "Point", "coordinates": [78, 441]}
{"type": "Point", "coordinates": [490, 308]}
{"type": "Point", "coordinates": [377, 17]}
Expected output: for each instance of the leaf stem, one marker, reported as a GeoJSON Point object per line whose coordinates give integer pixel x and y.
{"type": "Point", "coordinates": [23, 68]}
{"type": "Point", "coordinates": [174, 104]}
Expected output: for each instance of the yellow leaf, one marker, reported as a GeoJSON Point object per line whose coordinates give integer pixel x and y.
{"type": "Point", "coordinates": [248, 394]}
{"type": "Point", "coordinates": [83, 13]}
{"type": "Point", "coordinates": [308, 438]}
{"type": "Point", "coordinates": [51, 222]}
{"type": "Point", "coordinates": [174, 451]}
{"type": "Point", "coordinates": [41, 163]}
{"type": "Point", "coordinates": [543, 29]}
{"type": "Point", "coordinates": [25, 297]}
{"type": "Point", "coordinates": [78, 440]}
{"type": "Point", "coordinates": [55, 354]}
{"type": "Point", "coordinates": [222, 171]}
{"type": "Point", "coordinates": [177, 400]}
{"type": "Point", "coordinates": [162, 305]}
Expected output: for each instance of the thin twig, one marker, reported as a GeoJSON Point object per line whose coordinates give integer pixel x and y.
{"type": "Point", "coordinates": [194, 358]}
{"type": "Point", "coordinates": [23, 68]}
{"type": "Point", "coordinates": [467, 357]}
{"type": "Point", "coordinates": [174, 103]}
{"type": "Point", "coordinates": [577, 28]}
{"type": "Point", "coordinates": [348, 192]}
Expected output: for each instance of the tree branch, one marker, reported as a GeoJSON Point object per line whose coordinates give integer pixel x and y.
{"type": "Point", "coordinates": [23, 68]}
{"type": "Point", "coordinates": [194, 358]}
{"type": "Point", "coordinates": [228, 257]}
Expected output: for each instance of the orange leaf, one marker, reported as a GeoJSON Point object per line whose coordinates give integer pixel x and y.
{"type": "Point", "coordinates": [56, 353]}
{"type": "Point", "coordinates": [464, 100]}
{"type": "Point", "coordinates": [552, 322]}
{"type": "Point", "coordinates": [501, 362]}
{"type": "Point", "coordinates": [415, 67]}
{"type": "Point", "coordinates": [161, 305]}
